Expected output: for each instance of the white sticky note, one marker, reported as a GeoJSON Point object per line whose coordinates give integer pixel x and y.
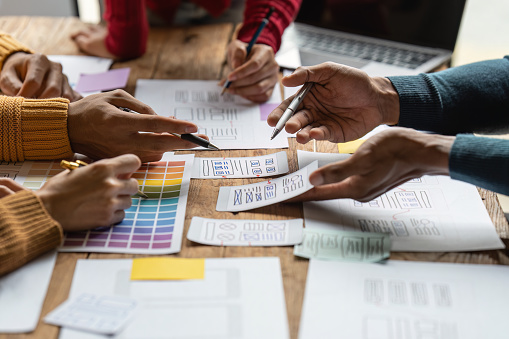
{"type": "Point", "coordinates": [246, 197]}
{"type": "Point", "coordinates": [230, 232]}
{"type": "Point", "coordinates": [242, 167]}
{"type": "Point", "coordinates": [93, 313]}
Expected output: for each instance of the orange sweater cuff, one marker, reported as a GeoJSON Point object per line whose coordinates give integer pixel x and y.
{"type": "Point", "coordinates": [8, 46]}
{"type": "Point", "coordinates": [26, 230]}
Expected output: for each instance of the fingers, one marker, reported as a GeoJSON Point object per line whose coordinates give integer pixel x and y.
{"type": "Point", "coordinates": [36, 69]}
{"type": "Point", "coordinates": [160, 143]}
{"type": "Point", "coordinates": [276, 114]}
{"type": "Point", "coordinates": [54, 84]}
{"type": "Point", "coordinates": [261, 57]}
{"type": "Point", "coordinates": [236, 53]}
{"type": "Point", "coordinates": [120, 98]}
{"type": "Point", "coordinates": [9, 186]}
{"type": "Point", "coordinates": [10, 83]}
{"type": "Point", "coordinates": [123, 164]}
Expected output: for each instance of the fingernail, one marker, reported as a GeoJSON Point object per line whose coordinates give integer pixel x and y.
{"type": "Point", "coordinates": [316, 179]}
{"type": "Point", "coordinates": [191, 129]}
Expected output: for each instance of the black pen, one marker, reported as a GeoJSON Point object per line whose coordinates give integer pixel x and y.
{"type": "Point", "coordinates": [188, 137]}
{"type": "Point", "coordinates": [264, 23]}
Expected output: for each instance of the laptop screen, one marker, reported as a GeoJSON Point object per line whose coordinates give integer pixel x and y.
{"type": "Point", "coordinates": [431, 23]}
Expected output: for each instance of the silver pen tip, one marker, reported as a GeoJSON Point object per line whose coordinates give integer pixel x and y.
{"type": "Point", "coordinates": [275, 133]}
{"type": "Point", "coordinates": [211, 145]}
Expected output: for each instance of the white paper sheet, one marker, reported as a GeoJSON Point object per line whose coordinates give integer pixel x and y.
{"type": "Point", "coordinates": [231, 302]}
{"type": "Point", "coordinates": [100, 314]}
{"type": "Point", "coordinates": [230, 121]}
{"type": "Point", "coordinates": [74, 65]}
{"type": "Point", "coordinates": [246, 197]}
{"type": "Point", "coordinates": [22, 294]}
{"type": "Point", "coordinates": [10, 169]}
{"type": "Point", "coordinates": [232, 232]}
{"type": "Point", "coordinates": [404, 300]}
{"type": "Point", "coordinates": [432, 213]}
{"type": "Point", "coordinates": [244, 167]}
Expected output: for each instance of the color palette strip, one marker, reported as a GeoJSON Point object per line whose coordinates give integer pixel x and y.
{"type": "Point", "coordinates": [151, 226]}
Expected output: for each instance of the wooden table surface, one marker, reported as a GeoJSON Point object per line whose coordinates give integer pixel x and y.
{"type": "Point", "coordinates": [198, 53]}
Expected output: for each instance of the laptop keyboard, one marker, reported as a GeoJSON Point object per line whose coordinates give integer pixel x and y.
{"type": "Point", "coordinates": [361, 49]}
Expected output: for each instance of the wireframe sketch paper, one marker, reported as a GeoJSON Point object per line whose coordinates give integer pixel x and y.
{"type": "Point", "coordinates": [10, 169]}
{"type": "Point", "coordinates": [100, 314]}
{"type": "Point", "coordinates": [74, 65]}
{"type": "Point", "coordinates": [233, 232]}
{"type": "Point", "coordinates": [151, 226]}
{"type": "Point", "coordinates": [431, 213]}
{"type": "Point", "coordinates": [403, 299]}
{"type": "Point", "coordinates": [21, 299]}
{"type": "Point", "coordinates": [231, 302]}
{"type": "Point", "coordinates": [246, 197]}
{"type": "Point", "coordinates": [344, 245]}
{"type": "Point", "coordinates": [230, 121]}
{"type": "Point", "coordinates": [242, 167]}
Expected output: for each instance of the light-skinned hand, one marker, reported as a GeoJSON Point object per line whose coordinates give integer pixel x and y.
{"type": "Point", "coordinates": [343, 105]}
{"type": "Point", "coordinates": [91, 196]}
{"type": "Point", "coordinates": [35, 76]}
{"type": "Point", "coordinates": [99, 129]}
{"type": "Point", "coordinates": [92, 41]}
{"type": "Point", "coordinates": [382, 162]}
{"type": "Point", "coordinates": [253, 75]}
{"type": "Point", "coordinates": [9, 186]}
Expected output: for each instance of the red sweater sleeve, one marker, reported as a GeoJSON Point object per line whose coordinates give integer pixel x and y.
{"type": "Point", "coordinates": [284, 13]}
{"type": "Point", "coordinates": [127, 28]}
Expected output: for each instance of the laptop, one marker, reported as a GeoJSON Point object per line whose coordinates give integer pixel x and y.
{"type": "Point", "coordinates": [381, 37]}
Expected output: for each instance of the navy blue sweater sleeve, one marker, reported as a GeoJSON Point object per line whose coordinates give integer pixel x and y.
{"type": "Point", "coordinates": [465, 99]}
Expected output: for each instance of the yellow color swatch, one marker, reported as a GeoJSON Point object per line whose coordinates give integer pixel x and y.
{"type": "Point", "coordinates": [351, 146]}
{"type": "Point", "coordinates": [167, 269]}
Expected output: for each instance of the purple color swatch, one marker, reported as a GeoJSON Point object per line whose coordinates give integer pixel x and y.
{"type": "Point", "coordinates": [265, 110]}
{"type": "Point", "coordinates": [113, 79]}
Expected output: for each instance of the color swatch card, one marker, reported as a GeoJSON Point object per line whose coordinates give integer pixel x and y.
{"type": "Point", "coordinates": [241, 298]}
{"type": "Point", "coordinates": [150, 226]}
{"type": "Point", "coordinates": [344, 246]}
{"type": "Point", "coordinates": [230, 121]}
{"type": "Point", "coordinates": [246, 197]}
{"type": "Point", "coordinates": [104, 81]}
{"type": "Point", "coordinates": [22, 294]}
{"type": "Point", "coordinates": [94, 313]}
{"type": "Point", "coordinates": [430, 213]}
{"type": "Point", "coordinates": [248, 167]}
{"type": "Point", "coordinates": [231, 232]}
{"type": "Point", "coordinates": [404, 300]}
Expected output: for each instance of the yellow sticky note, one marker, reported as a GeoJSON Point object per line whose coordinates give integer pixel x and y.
{"type": "Point", "coordinates": [351, 146]}
{"type": "Point", "coordinates": [167, 269]}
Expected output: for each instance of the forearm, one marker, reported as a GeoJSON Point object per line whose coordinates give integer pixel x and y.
{"type": "Point", "coordinates": [8, 46]}
{"type": "Point", "coordinates": [26, 230]}
{"type": "Point", "coordinates": [481, 161]}
{"type": "Point", "coordinates": [470, 98]}
{"type": "Point", "coordinates": [284, 13]}
{"type": "Point", "coordinates": [127, 28]}
{"type": "Point", "coordinates": [33, 129]}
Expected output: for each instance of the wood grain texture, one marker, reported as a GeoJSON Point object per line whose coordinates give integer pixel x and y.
{"type": "Point", "coordinates": [199, 53]}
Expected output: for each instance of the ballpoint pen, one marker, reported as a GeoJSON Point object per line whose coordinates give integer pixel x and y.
{"type": "Point", "coordinates": [290, 110]}
{"type": "Point", "coordinates": [188, 137]}
{"type": "Point", "coordinates": [264, 23]}
{"type": "Point", "coordinates": [72, 165]}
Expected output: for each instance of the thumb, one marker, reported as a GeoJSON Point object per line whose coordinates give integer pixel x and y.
{"type": "Point", "coordinates": [333, 173]}
{"type": "Point", "coordinates": [237, 56]}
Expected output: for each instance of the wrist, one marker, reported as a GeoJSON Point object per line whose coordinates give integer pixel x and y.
{"type": "Point", "coordinates": [433, 156]}
{"type": "Point", "coordinates": [388, 100]}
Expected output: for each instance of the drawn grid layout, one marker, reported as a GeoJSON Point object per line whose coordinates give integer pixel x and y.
{"type": "Point", "coordinates": [151, 226]}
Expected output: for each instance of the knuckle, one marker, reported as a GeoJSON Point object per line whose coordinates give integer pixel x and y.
{"type": "Point", "coordinates": [118, 93]}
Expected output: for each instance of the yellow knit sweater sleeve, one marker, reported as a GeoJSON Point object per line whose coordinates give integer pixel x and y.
{"type": "Point", "coordinates": [26, 230]}
{"type": "Point", "coordinates": [33, 129]}
{"type": "Point", "coordinates": [8, 46]}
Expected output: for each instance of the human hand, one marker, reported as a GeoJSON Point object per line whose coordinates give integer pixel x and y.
{"type": "Point", "coordinates": [9, 186]}
{"type": "Point", "coordinates": [252, 78]}
{"type": "Point", "coordinates": [35, 76]}
{"type": "Point", "coordinates": [382, 162]}
{"type": "Point", "coordinates": [92, 40]}
{"type": "Point", "coordinates": [91, 196]}
{"type": "Point", "coordinates": [343, 105]}
{"type": "Point", "coordinates": [99, 129]}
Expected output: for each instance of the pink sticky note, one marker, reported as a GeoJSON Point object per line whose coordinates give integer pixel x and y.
{"type": "Point", "coordinates": [113, 79]}
{"type": "Point", "coordinates": [265, 110]}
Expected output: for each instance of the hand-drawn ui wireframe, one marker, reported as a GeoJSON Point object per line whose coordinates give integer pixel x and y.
{"type": "Point", "coordinates": [404, 299]}
{"type": "Point", "coordinates": [232, 301]}
{"type": "Point", "coordinates": [151, 226]}
{"type": "Point", "coordinates": [344, 246]}
{"type": "Point", "coordinates": [22, 294]}
{"type": "Point", "coordinates": [230, 121]}
{"type": "Point", "coordinates": [232, 232]}
{"type": "Point", "coordinates": [10, 169]}
{"type": "Point", "coordinates": [243, 167]}
{"type": "Point", "coordinates": [246, 197]}
{"type": "Point", "coordinates": [431, 213]}
{"type": "Point", "coordinates": [100, 314]}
